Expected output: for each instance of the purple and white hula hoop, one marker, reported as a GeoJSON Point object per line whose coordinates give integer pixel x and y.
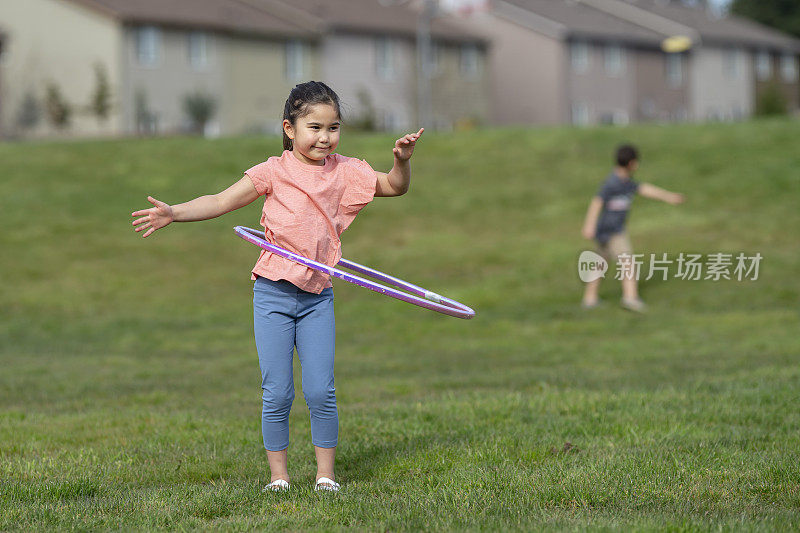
{"type": "Point", "coordinates": [419, 296]}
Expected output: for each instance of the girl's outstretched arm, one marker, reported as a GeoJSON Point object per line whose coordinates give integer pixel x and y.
{"type": "Point", "coordinates": [396, 182]}
{"type": "Point", "coordinates": [237, 195]}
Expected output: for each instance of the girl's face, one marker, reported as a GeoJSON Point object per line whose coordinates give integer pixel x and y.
{"type": "Point", "coordinates": [314, 135]}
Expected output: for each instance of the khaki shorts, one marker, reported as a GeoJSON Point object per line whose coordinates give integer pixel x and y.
{"type": "Point", "coordinates": [618, 244]}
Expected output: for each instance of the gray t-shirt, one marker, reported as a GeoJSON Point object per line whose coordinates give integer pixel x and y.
{"type": "Point", "coordinates": [617, 195]}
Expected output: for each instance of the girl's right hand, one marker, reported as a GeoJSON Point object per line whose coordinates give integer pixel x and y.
{"type": "Point", "coordinates": [154, 218]}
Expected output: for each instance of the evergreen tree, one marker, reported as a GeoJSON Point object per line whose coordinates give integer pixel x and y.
{"type": "Point", "coordinates": [781, 14]}
{"type": "Point", "coordinates": [199, 108]}
{"type": "Point", "coordinates": [58, 110]}
{"type": "Point", "coordinates": [101, 99]}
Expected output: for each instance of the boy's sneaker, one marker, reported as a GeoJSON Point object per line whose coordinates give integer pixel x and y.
{"type": "Point", "coordinates": [591, 305]}
{"type": "Point", "coordinates": [633, 304]}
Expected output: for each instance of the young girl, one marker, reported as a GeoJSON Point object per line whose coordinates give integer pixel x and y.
{"type": "Point", "coordinates": [311, 196]}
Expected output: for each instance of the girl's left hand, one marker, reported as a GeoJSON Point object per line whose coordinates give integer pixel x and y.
{"type": "Point", "coordinates": [404, 146]}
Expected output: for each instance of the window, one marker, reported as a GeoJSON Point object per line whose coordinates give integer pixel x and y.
{"type": "Point", "coordinates": [620, 117]}
{"type": "Point", "coordinates": [468, 61]}
{"type": "Point", "coordinates": [580, 114]}
{"type": "Point", "coordinates": [390, 121]}
{"type": "Point", "coordinates": [732, 64]}
{"type": "Point", "coordinates": [614, 60]}
{"type": "Point", "coordinates": [384, 58]}
{"type": "Point", "coordinates": [674, 70]}
{"type": "Point", "coordinates": [148, 45]}
{"type": "Point", "coordinates": [434, 62]}
{"type": "Point", "coordinates": [579, 56]}
{"type": "Point", "coordinates": [789, 68]}
{"type": "Point", "coordinates": [763, 66]}
{"type": "Point", "coordinates": [198, 49]}
{"type": "Point", "coordinates": [295, 60]}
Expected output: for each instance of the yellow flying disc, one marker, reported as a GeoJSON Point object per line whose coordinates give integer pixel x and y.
{"type": "Point", "coordinates": [676, 44]}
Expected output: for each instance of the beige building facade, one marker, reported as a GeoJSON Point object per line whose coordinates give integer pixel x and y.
{"type": "Point", "coordinates": [238, 59]}
{"type": "Point", "coordinates": [247, 78]}
{"type": "Point", "coordinates": [369, 56]}
{"type": "Point", "coordinates": [57, 45]}
{"type": "Point", "coordinates": [601, 61]}
{"type": "Point", "coordinates": [371, 75]}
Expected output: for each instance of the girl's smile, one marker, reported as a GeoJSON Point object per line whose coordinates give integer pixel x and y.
{"type": "Point", "coordinates": [314, 135]}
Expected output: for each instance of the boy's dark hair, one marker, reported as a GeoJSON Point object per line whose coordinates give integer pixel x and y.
{"type": "Point", "coordinates": [301, 98]}
{"type": "Point", "coordinates": [625, 154]}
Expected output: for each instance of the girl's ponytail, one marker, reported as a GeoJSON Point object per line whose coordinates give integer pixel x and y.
{"type": "Point", "coordinates": [301, 98]}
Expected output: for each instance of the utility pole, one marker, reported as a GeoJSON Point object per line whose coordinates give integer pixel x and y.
{"type": "Point", "coordinates": [429, 10]}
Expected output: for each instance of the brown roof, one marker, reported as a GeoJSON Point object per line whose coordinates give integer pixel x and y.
{"type": "Point", "coordinates": [371, 16]}
{"type": "Point", "coordinates": [579, 20]}
{"type": "Point", "coordinates": [715, 29]}
{"type": "Point", "coordinates": [235, 16]}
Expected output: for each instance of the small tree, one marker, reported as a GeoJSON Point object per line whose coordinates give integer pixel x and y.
{"type": "Point", "coordinates": [57, 109]}
{"type": "Point", "coordinates": [199, 108]}
{"type": "Point", "coordinates": [30, 112]}
{"type": "Point", "coordinates": [366, 120]}
{"type": "Point", "coordinates": [771, 101]}
{"type": "Point", "coordinates": [142, 114]}
{"type": "Point", "coordinates": [101, 99]}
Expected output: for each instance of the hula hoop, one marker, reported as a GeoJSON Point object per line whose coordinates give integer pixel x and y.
{"type": "Point", "coordinates": [419, 296]}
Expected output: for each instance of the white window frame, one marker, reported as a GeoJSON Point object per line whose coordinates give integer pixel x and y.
{"type": "Point", "coordinates": [469, 61]}
{"type": "Point", "coordinates": [763, 65]}
{"type": "Point", "coordinates": [732, 63]}
{"type": "Point", "coordinates": [391, 120]}
{"type": "Point", "coordinates": [614, 60]}
{"type": "Point", "coordinates": [579, 56]}
{"type": "Point", "coordinates": [673, 65]}
{"type": "Point", "coordinates": [148, 45]}
{"type": "Point", "coordinates": [620, 117]}
{"type": "Point", "coordinates": [580, 114]}
{"type": "Point", "coordinates": [435, 59]}
{"type": "Point", "coordinates": [199, 44]}
{"type": "Point", "coordinates": [789, 68]}
{"type": "Point", "coordinates": [385, 58]}
{"type": "Point", "coordinates": [294, 58]}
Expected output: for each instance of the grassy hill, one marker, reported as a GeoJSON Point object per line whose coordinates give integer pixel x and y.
{"type": "Point", "coordinates": [129, 389]}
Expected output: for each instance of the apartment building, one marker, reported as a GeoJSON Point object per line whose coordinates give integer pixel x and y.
{"type": "Point", "coordinates": [601, 61]}
{"type": "Point", "coordinates": [235, 58]}
{"type": "Point", "coordinates": [368, 54]}
{"type": "Point", "coordinates": [733, 60]}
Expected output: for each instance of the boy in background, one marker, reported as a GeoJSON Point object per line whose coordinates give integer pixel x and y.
{"type": "Point", "coordinates": [605, 223]}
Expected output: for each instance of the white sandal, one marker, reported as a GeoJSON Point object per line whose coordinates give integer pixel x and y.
{"type": "Point", "coordinates": [279, 485]}
{"type": "Point", "coordinates": [328, 484]}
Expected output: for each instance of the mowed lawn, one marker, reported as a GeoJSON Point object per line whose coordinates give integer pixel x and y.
{"type": "Point", "coordinates": [130, 391]}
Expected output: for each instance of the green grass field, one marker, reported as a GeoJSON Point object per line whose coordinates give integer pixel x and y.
{"type": "Point", "coordinates": [129, 383]}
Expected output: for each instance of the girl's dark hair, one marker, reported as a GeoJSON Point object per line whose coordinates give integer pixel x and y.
{"type": "Point", "coordinates": [303, 96]}
{"type": "Point", "coordinates": [625, 154]}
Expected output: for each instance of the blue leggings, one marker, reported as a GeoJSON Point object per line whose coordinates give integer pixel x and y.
{"type": "Point", "coordinates": [285, 316]}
